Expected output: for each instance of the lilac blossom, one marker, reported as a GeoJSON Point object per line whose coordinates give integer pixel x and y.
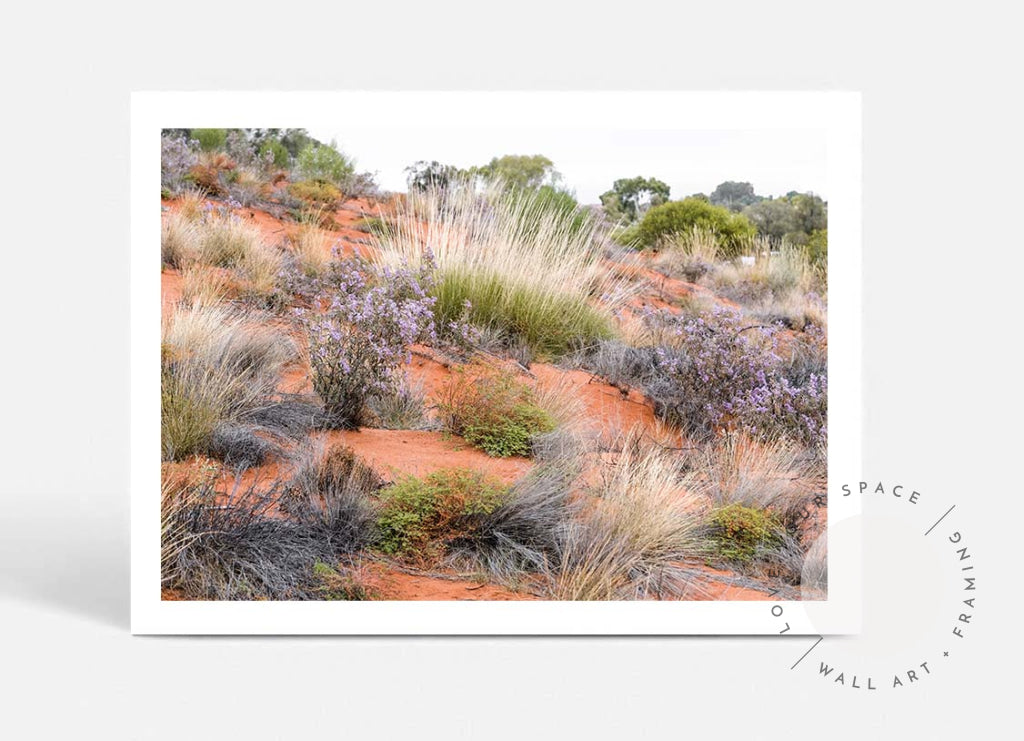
{"type": "Point", "coordinates": [362, 337]}
{"type": "Point", "coordinates": [718, 371]}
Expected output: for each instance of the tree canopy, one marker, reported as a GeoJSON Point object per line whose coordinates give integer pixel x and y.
{"type": "Point", "coordinates": [734, 195]}
{"type": "Point", "coordinates": [422, 175]}
{"type": "Point", "coordinates": [630, 198]}
{"type": "Point", "coordinates": [519, 171]}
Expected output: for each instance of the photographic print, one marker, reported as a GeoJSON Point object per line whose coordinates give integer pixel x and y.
{"type": "Point", "coordinates": [578, 361]}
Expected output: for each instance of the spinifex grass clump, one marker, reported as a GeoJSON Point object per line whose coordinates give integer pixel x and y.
{"type": "Point", "coordinates": [775, 270]}
{"type": "Point", "coordinates": [690, 255]}
{"type": "Point", "coordinates": [421, 518]}
{"type": "Point", "coordinates": [332, 494]}
{"type": "Point", "coordinates": [493, 410]}
{"type": "Point", "coordinates": [201, 235]}
{"type": "Point", "coordinates": [644, 517]}
{"type": "Point", "coordinates": [228, 547]}
{"type": "Point", "coordinates": [773, 474]}
{"type": "Point", "coordinates": [525, 268]}
{"type": "Point", "coordinates": [309, 245]}
{"type": "Point", "coordinates": [404, 408]}
{"type": "Point", "coordinates": [267, 539]}
{"type": "Point", "coordinates": [217, 367]}
{"type": "Point", "coordinates": [778, 480]}
{"type": "Point", "coordinates": [359, 342]}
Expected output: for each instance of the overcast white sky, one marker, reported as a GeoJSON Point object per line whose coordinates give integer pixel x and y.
{"type": "Point", "coordinates": [775, 161]}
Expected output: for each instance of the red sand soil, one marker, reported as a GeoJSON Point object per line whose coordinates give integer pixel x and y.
{"type": "Point", "coordinates": [296, 379]}
{"type": "Point", "coordinates": [713, 584]}
{"type": "Point", "coordinates": [664, 292]}
{"type": "Point", "coordinates": [394, 453]}
{"type": "Point", "coordinates": [170, 290]}
{"type": "Point", "coordinates": [229, 484]}
{"type": "Point", "coordinates": [430, 370]}
{"type": "Point", "coordinates": [390, 584]}
{"type": "Point", "coordinates": [387, 584]}
{"type": "Point", "coordinates": [607, 408]}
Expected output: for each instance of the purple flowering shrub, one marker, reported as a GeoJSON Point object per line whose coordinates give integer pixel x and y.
{"type": "Point", "coordinates": [362, 338]}
{"type": "Point", "coordinates": [717, 371]}
{"type": "Point", "coordinates": [800, 412]}
{"type": "Point", "coordinates": [178, 156]}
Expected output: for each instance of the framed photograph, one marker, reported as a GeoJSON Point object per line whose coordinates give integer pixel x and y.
{"type": "Point", "coordinates": [495, 363]}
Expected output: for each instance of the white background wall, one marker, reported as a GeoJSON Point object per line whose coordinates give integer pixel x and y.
{"type": "Point", "coordinates": [941, 204]}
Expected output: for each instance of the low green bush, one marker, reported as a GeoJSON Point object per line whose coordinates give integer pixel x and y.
{"type": "Point", "coordinates": [678, 218]}
{"type": "Point", "coordinates": [324, 162]}
{"type": "Point", "coordinates": [210, 140]}
{"type": "Point", "coordinates": [316, 192]}
{"type": "Point", "coordinates": [740, 533]}
{"type": "Point", "coordinates": [494, 411]}
{"type": "Point", "coordinates": [421, 517]}
{"type": "Point", "coordinates": [279, 153]}
{"type": "Point", "coordinates": [817, 247]}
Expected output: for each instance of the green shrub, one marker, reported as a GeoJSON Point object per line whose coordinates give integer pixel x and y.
{"type": "Point", "coordinates": [678, 218]}
{"type": "Point", "coordinates": [627, 236]}
{"type": "Point", "coordinates": [740, 533]}
{"type": "Point", "coordinates": [324, 162]}
{"type": "Point", "coordinates": [211, 140]}
{"type": "Point", "coordinates": [281, 157]}
{"type": "Point", "coordinates": [629, 198]}
{"type": "Point", "coordinates": [493, 411]}
{"type": "Point", "coordinates": [519, 171]}
{"type": "Point", "coordinates": [420, 518]}
{"type": "Point", "coordinates": [817, 247]}
{"type": "Point", "coordinates": [510, 435]}
{"type": "Point", "coordinates": [317, 192]}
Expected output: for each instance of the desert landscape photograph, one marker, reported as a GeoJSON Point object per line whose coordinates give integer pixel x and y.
{"type": "Point", "coordinates": [485, 379]}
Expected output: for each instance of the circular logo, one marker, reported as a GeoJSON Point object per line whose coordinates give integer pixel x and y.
{"type": "Point", "coordinates": [918, 598]}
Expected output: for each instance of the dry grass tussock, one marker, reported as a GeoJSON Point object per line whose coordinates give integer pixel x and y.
{"type": "Point", "coordinates": [311, 248]}
{"type": "Point", "coordinates": [780, 270]}
{"type": "Point", "coordinates": [267, 540]}
{"type": "Point", "coordinates": [776, 283]}
{"type": "Point", "coordinates": [223, 241]}
{"type": "Point", "coordinates": [524, 268]}
{"type": "Point", "coordinates": [204, 286]}
{"type": "Point", "coordinates": [690, 255]}
{"type": "Point", "coordinates": [775, 474]}
{"type": "Point", "coordinates": [562, 401]}
{"type": "Point", "coordinates": [216, 365]}
{"type": "Point", "coordinates": [644, 517]}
